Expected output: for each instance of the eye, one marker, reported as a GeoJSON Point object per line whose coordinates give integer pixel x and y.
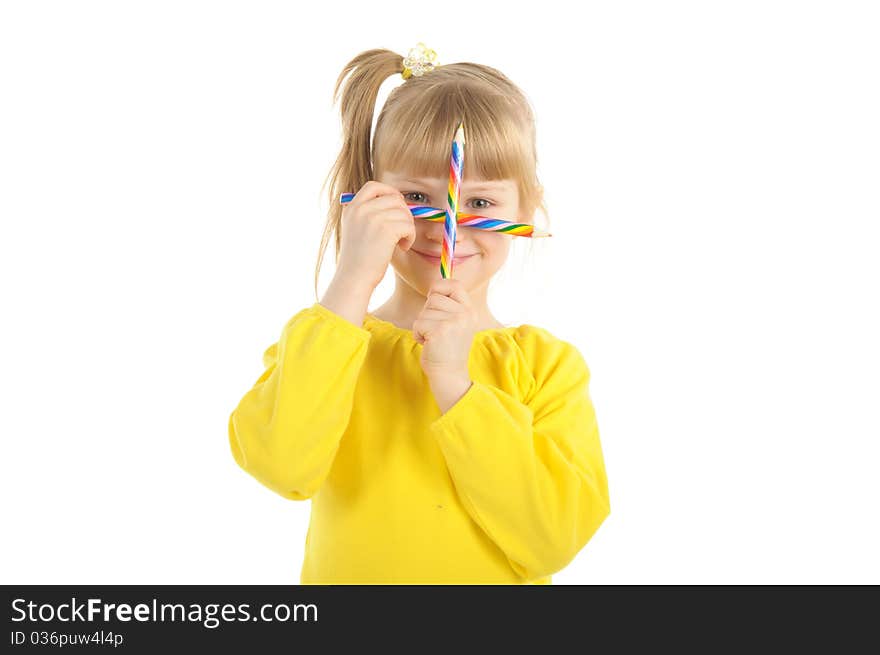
{"type": "Point", "coordinates": [416, 193]}
{"type": "Point", "coordinates": [422, 199]}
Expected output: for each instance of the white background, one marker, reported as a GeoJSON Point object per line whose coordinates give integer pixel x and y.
{"type": "Point", "coordinates": [712, 178]}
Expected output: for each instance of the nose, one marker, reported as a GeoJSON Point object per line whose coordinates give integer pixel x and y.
{"type": "Point", "coordinates": [434, 232]}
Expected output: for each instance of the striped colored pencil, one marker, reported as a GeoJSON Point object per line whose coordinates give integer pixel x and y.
{"type": "Point", "coordinates": [453, 193]}
{"type": "Point", "coordinates": [438, 215]}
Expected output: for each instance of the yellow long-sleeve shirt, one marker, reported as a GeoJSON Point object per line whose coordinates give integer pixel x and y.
{"type": "Point", "coordinates": [504, 488]}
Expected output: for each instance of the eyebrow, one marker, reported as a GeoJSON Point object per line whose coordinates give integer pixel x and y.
{"type": "Point", "coordinates": [483, 186]}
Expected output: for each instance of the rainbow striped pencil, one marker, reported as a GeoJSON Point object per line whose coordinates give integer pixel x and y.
{"type": "Point", "coordinates": [438, 215]}
{"type": "Point", "coordinates": [453, 193]}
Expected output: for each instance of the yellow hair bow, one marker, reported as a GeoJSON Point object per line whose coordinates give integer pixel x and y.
{"type": "Point", "coordinates": [419, 60]}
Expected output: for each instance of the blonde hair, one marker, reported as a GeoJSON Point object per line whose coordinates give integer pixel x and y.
{"type": "Point", "coordinates": [415, 127]}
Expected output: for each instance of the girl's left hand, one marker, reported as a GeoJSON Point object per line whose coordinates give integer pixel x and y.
{"type": "Point", "coordinates": [446, 327]}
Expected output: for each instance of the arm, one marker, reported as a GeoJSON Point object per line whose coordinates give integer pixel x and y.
{"type": "Point", "coordinates": [285, 431]}
{"type": "Point", "coordinates": [531, 474]}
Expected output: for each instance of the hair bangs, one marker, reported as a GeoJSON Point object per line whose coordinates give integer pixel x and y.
{"type": "Point", "coordinates": [417, 139]}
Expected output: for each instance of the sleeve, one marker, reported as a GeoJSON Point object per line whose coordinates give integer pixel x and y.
{"type": "Point", "coordinates": [285, 431]}
{"type": "Point", "coordinates": [531, 474]}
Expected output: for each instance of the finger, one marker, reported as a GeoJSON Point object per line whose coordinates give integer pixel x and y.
{"type": "Point", "coordinates": [421, 330]}
{"type": "Point", "coordinates": [400, 219]}
{"type": "Point", "coordinates": [374, 189]}
{"type": "Point", "coordinates": [453, 288]}
{"type": "Point", "coordinates": [385, 202]}
{"type": "Point", "coordinates": [366, 194]}
{"type": "Point", "coordinates": [436, 315]}
{"type": "Point", "coordinates": [406, 231]}
{"type": "Point", "coordinates": [439, 301]}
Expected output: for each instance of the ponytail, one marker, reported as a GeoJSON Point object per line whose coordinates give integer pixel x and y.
{"type": "Point", "coordinates": [353, 167]}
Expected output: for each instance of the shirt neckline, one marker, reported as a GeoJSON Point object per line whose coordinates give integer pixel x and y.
{"type": "Point", "coordinates": [388, 326]}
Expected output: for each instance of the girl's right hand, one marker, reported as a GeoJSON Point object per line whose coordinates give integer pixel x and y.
{"type": "Point", "coordinates": [375, 222]}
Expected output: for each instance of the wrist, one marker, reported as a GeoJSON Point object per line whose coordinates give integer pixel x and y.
{"type": "Point", "coordinates": [448, 389]}
{"type": "Point", "coordinates": [441, 378]}
{"type": "Point", "coordinates": [351, 286]}
{"type": "Point", "coordinates": [348, 300]}
{"type": "Point", "coordinates": [355, 276]}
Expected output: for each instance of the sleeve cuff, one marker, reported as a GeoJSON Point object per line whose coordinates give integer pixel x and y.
{"type": "Point", "coordinates": [335, 320]}
{"type": "Point", "coordinates": [477, 404]}
{"type": "Point", "coordinates": [464, 405]}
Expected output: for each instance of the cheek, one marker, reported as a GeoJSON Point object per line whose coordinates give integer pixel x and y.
{"type": "Point", "coordinates": [494, 248]}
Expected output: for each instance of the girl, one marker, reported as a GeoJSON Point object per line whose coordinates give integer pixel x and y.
{"type": "Point", "coordinates": [437, 445]}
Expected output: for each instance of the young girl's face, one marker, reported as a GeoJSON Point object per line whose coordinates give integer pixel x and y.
{"type": "Point", "coordinates": [479, 254]}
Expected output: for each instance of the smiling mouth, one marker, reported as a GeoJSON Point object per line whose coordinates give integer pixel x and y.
{"type": "Point", "coordinates": [436, 259]}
